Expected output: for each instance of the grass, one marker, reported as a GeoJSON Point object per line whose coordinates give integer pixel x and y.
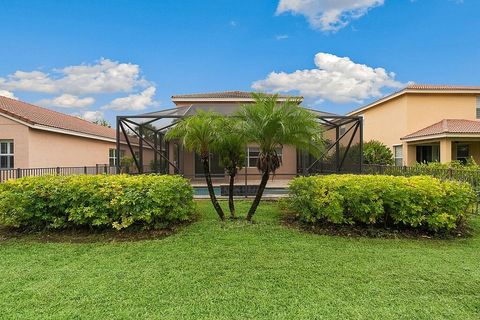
{"type": "Point", "coordinates": [240, 271]}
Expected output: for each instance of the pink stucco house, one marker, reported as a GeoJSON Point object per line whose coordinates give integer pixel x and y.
{"type": "Point", "coordinates": [35, 137]}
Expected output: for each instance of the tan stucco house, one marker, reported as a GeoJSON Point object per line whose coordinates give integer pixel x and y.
{"type": "Point", "coordinates": [35, 137]}
{"type": "Point", "coordinates": [424, 123]}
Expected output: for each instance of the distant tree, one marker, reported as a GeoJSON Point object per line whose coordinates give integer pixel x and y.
{"type": "Point", "coordinates": [148, 131]}
{"type": "Point", "coordinates": [375, 152]}
{"type": "Point", "coordinates": [102, 122]}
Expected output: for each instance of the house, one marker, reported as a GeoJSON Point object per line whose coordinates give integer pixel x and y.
{"type": "Point", "coordinates": [424, 123]}
{"type": "Point", "coordinates": [227, 103]}
{"type": "Point", "coordinates": [173, 158]}
{"type": "Point", "coordinates": [35, 137]}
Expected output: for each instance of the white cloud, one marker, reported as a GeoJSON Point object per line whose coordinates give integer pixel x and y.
{"type": "Point", "coordinates": [132, 102]}
{"type": "Point", "coordinates": [281, 36]}
{"type": "Point", "coordinates": [7, 94]}
{"type": "Point", "coordinates": [67, 101]}
{"type": "Point", "coordinates": [328, 15]}
{"type": "Point", "coordinates": [106, 76]}
{"type": "Point", "coordinates": [92, 116]}
{"type": "Point", "coordinates": [337, 79]}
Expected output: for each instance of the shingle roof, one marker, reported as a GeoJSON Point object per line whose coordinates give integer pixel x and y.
{"type": "Point", "coordinates": [35, 115]}
{"type": "Point", "coordinates": [225, 95]}
{"type": "Point", "coordinates": [459, 126]}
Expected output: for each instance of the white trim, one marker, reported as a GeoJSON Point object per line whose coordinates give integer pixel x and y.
{"type": "Point", "coordinates": [407, 90]}
{"type": "Point", "coordinates": [443, 135]}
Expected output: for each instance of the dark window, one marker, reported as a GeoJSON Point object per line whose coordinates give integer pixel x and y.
{"type": "Point", "coordinates": [463, 153]}
{"type": "Point", "coordinates": [428, 153]}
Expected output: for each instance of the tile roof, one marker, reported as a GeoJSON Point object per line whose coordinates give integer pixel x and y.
{"type": "Point", "coordinates": [225, 95]}
{"type": "Point", "coordinates": [440, 87]}
{"type": "Point", "coordinates": [455, 126]}
{"type": "Point", "coordinates": [35, 115]}
{"type": "Point", "coordinates": [414, 88]}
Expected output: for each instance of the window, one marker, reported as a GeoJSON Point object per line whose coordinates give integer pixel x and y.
{"type": "Point", "coordinates": [463, 152]}
{"type": "Point", "coordinates": [112, 157]}
{"type": "Point", "coordinates": [342, 130]}
{"type": "Point", "coordinates": [6, 154]}
{"type": "Point", "coordinates": [428, 153]}
{"type": "Point", "coordinates": [478, 107]}
{"type": "Point", "coordinates": [398, 154]}
{"type": "Point", "coordinates": [252, 156]}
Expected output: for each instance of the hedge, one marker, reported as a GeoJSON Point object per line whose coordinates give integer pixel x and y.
{"type": "Point", "coordinates": [97, 201]}
{"type": "Point", "coordinates": [415, 202]}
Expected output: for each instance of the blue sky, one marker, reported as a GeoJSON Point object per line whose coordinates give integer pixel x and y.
{"type": "Point", "coordinates": [103, 58]}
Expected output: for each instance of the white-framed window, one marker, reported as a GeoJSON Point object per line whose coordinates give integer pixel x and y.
{"type": "Point", "coordinates": [478, 107]}
{"type": "Point", "coordinates": [7, 158]}
{"type": "Point", "coordinates": [112, 157]}
{"type": "Point", "coordinates": [252, 156]}
{"type": "Point", "coordinates": [398, 155]}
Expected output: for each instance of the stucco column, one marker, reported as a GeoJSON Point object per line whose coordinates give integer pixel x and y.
{"type": "Point", "coordinates": [409, 154]}
{"type": "Point", "coordinates": [445, 150]}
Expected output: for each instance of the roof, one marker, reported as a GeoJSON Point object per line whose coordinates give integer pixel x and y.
{"type": "Point", "coordinates": [225, 109]}
{"type": "Point", "coordinates": [420, 88]}
{"type": "Point", "coordinates": [42, 118]}
{"type": "Point", "coordinates": [230, 95]}
{"type": "Point", "coordinates": [447, 127]}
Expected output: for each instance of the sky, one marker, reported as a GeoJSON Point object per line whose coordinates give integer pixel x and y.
{"type": "Point", "coordinates": [99, 59]}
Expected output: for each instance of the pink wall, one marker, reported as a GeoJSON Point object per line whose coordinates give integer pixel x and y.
{"type": "Point", "coordinates": [12, 130]}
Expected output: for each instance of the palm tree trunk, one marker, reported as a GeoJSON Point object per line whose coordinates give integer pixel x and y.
{"type": "Point", "coordinates": [231, 205]}
{"type": "Point", "coordinates": [211, 192]}
{"type": "Point", "coordinates": [258, 197]}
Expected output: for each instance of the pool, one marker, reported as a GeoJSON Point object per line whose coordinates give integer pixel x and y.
{"type": "Point", "coordinates": [203, 191]}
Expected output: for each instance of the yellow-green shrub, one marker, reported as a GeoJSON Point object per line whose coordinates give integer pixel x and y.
{"type": "Point", "coordinates": [419, 201]}
{"type": "Point", "coordinates": [95, 201]}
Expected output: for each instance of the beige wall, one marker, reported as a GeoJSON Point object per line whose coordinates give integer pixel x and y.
{"type": "Point", "coordinates": [12, 130]}
{"type": "Point", "coordinates": [393, 119]}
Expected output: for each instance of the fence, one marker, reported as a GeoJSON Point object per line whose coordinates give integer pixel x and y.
{"type": "Point", "coordinates": [470, 175]}
{"type": "Point", "coordinates": [6, 174]}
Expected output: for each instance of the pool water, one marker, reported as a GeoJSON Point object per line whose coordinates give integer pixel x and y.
{"type": "Point", "coordinates": [203, 191]}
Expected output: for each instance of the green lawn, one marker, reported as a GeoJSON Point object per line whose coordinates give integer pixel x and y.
{"type": "Point", "coordinates": [240, 271]}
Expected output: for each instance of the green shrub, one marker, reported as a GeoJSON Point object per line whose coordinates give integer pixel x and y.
{"type": "Point", "coordinates": [416, 202]}
{"type": "Point", "coordinates": [375, 152]}
{"type": "Point", "coordinates": [97, 201]}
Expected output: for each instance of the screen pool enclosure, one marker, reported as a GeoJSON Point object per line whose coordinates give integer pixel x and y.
{"type": "Point", "coordinates": [144, 134]}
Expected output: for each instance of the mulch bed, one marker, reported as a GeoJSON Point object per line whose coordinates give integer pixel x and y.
{"type": "Point", "coordinates": [86, 235]}
{"type": "Point", "coordinates": [356, 231]}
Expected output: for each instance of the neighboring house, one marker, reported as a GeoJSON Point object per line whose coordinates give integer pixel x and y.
{"type": "Point", "coordinates": [35, 137]}
{"type": "Point", "coordinates": [424, 123]}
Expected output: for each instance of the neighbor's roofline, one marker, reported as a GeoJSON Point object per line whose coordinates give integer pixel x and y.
{"type": "Point", "coordinates": [412, 90]}
{"type": "Point", "coordinates": [227, 99]}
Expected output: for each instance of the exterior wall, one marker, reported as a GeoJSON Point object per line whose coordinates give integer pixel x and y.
{"type": "Point", "coordinates": [391, 120]}
{"type": "Point", "coordinates": [48, 149]}
{"type": "Point", "coordinates": [12, 130]}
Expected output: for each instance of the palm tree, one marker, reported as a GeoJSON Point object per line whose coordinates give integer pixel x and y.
{"type": "Point", "coordinates": [272, 124]}
{"type": "Point", "coordinates": [197, 133]}
{"type": "Point", "coordinates": [230, 146]}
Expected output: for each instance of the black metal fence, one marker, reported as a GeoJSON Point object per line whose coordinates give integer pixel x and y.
{"type": "Point", "coordinates": [6, 174]}
{"type": "Point", "coordinates": [469, 175]}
